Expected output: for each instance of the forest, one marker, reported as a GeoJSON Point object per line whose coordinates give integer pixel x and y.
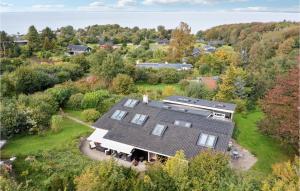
{"type": "Point", "coordinates": [257, 69]}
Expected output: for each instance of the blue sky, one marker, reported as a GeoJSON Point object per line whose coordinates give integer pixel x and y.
{"type": "Point", "coordinates": [150, 5]}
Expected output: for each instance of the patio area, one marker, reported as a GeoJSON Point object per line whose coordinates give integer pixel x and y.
{"type": "Point", "coordinates": [241, 159]}
{"type": "Point", "coordinates": [99, 155]}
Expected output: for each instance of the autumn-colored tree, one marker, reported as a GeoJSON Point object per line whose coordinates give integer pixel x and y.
{"type": "Point", "coordinates": [177, 168]}
{"type": "Point", "coordinates": [285, 176]}
{"type": "Point", "coordinates": [181, 44]}
{"type": "Point", "coordinates": [280, 106]}
{"type": "Point", "coordinates": [123, 84]}
{"type": "Point", "coordinates": [232, 85]}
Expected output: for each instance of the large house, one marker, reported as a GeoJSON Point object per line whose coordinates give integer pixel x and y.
{"type": "Point", "coordinates": [154, 130]}
{"type": "Point", "coordinates": [177, 66]}
{"type": "Point", "coordinates": [78, 49]}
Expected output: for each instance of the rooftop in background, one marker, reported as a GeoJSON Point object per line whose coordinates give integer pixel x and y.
{"type": "Point", "coordinates": [201, 103]}
{"type": "Point", "coordinates": [177, 66]}
{"type": "Point", "coordinates": [78, 47]}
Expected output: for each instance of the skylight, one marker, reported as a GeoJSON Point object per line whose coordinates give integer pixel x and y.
{"type": "Point", "coordinates": [206, 140]}
{"type": "Point", "coordinates": [139, 119]}
{"type": "Point", "coordinates": [159, 130]}
{"type": "Point", "coordinates": [118, 115]}
{"type": "Point", "coordinates": [131, 103]}
{"type": "Point", "coordinates": [182, 123]}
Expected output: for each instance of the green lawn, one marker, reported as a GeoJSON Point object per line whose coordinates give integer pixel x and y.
{"type": "Point", "coordinates": [74, 113]}
{"type": "Point", "coordinates": [145, 86]}
{"type": "Point", "coordinates": [35, 143]}
{"type": "Point", "coordinates": [267, 150]}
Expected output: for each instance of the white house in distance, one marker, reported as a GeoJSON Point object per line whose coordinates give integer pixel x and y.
{"type": "Point", "coordinates": [78, 49]}
{"type": "Point", "coordinates": [151, 130]}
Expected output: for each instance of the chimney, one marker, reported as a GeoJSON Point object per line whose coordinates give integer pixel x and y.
{"type": "Point", "coordinates": [145, 99]}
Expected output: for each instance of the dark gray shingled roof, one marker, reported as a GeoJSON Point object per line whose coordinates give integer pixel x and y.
{"type": "Point", "coordinates": [78, 47]}
{"type": "Point", "coordinates": [201, 102]}
{"type": "Point", "coordinates": [174, 138]}
{"type": "Point", "coordinates": [177, 66]}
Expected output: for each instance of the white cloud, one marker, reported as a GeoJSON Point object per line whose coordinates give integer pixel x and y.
{"type": "Point", "coordinates": [95, 6]}
{"type": "Point", "coordinates": [125, 3]}
{"type": "Point", "coordinates": [152, 2]}
{"type": "Point", "coordinates": [47, 6]}
{"type": "Point", "coordinates": [251, 9]}
{"type": "Point", "coordinates": [3, 4]}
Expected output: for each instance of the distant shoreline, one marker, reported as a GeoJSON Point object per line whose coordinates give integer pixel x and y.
{"type": "Point", "coordinates": [13, 22]}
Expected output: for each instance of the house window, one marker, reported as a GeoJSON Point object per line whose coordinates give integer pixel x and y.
{"type": "Point", "coordinates": [206, 140]}
{"type": "Point", "coordinates": [219, 115]}
{"type": "Point", "coordinates": [139, 119]}
{"type": "Point", "coordinates": [159, 130]}
{"type": "Point", "coordinates": [182, 123]}
{"type": "Point", "coordinates": [131, 103]}
{"type": "Point", "coordinates": [118, 115]}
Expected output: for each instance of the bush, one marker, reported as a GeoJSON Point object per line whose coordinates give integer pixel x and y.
{"type": "Point", "coordinates": [169, 76]}
{"type": "Point", "coordinates": [183, 84]}
{"type": "Point", "coordinates": [123, 84]}
{"type": "Point", "coordinates": [198, 90]}
{"type": "Point", "coordinates": [74, 101]}
{"type": "Point", "coordinates": [61, 94]}
{"type": "Point", "coordinates": [168, 91]}
{"type": "Point", "coordinates": [93, 99]}
{"type": "Point", "coordinates": [90, 115]}
{"type": "Point", "coordinates": [240, 105]}
{"type": "Point", "coordinates": [56, 123]}
{"type": "Point", "coordinates": [153, 78]}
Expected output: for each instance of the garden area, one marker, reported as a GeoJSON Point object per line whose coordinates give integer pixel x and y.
{"type": "Point", "coordinates": [267, 150]}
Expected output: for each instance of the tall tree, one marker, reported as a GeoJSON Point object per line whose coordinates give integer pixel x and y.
{"type": "Point", "coordinates": [182, 43]}
{"type": "Point", "coordinates": [280, 106]}
{"type": "Point", "coordinates": [232, 85]}
{"type": "Point", "coordinates": [48, 38]}
{"type": "Point", "coordinates": [33, 38]}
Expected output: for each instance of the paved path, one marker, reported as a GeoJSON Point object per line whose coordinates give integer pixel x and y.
{"type": "Point", "coordinates": [98, 155]}
{"type": "Point", "coordinates": [245, 162]}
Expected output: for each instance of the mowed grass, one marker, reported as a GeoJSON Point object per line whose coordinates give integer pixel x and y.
{"type": "Point", "coordinates": [267, 150]}
{"type": "Point", "coordinates": [161, 86]}
{"type": "Point", "coordinates": [30, 144]}
{"type": "Point", "coordinates": [74, 113]}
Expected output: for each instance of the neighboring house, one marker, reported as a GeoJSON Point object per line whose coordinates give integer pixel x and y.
{"type": "Point", "coordinates": [163, 41]}
{"type": "Point", "coordinates": [78, 49]}
{"type": "Point", "coordinates": [21, 42]}
{"type": "Point", "coordinates": [210, 82]}
{"type": "Point", "coordinates": [196, 52]}
{"type": "Point", "coordinates": [209, 49]}
{"type": "Point", "coordinates": [216, 43]}
{"type": "Point", "coordinates": [154, 130]}
{"type": "Point", "coordinates": [177, 66]}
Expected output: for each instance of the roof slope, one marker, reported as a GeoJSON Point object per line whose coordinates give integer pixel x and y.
{"type": "Point", "coordinates": [78, 47]}
{"type": "Point", "coordinates": [174, 138]}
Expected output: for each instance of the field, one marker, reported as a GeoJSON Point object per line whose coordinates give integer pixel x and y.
{"type": "Point", "coordinates": [35, 143]}
{"type": "Point", "coordinates": [145, 87]}
{"type": "Point", "coordinates": [267, 150]}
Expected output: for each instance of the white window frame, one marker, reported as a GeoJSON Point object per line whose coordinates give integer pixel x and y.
{"type": "Point", "coordinates": [207, 138]}
{"type": "Point", "coordinates": [118, 115]}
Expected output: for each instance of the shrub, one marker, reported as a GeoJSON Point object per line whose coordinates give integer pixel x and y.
{"type": "Point", "coordinates": [92, 99]}
{"type": "Point", "coordinates": [169, 76]}
{"type": "Point", "coordinates": [56, 123]}
{"type": "Point", "coordinates": [153, 78]}
{"type": "Point", "coordinates": [123, 84]}
{"type": "Point", "coordinates": [168, 91]}
{"type": "Point", "coordinates": [183, 84]}
{"type": "Point", "coordinates": [74, 101]}
{"type": "Point", "coordinates": [90, 115]}
{"type": "Point", "coordinates": [61, 94]}
{"type": "Point", "coordinates": [240, 105]}
{"type": "Point", "coordinates": [198, 90]}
